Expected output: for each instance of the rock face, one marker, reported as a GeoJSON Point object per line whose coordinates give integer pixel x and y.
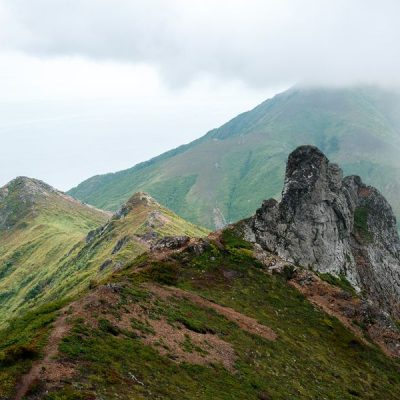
{"type": "Point", "coordinates": [332, 224]}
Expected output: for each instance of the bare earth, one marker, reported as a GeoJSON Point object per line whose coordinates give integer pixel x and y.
{"type": "Point", "coordinates": [167, 339]}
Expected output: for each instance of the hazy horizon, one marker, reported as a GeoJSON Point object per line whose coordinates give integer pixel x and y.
{"type": "Point", "coordinates": [85, 93]}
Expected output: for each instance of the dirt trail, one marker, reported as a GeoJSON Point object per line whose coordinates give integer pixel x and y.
{"type": "Point", "coordinates": [246, 323]}
{"type": "Point", "coordinates": [43, 366]}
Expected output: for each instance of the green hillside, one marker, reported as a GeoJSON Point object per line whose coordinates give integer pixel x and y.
{"type": "Point", "coordinates": [38, 227]}
{"type": "Point", "coordinates": [45, 251]}
{"type": "Point", "coordinates": [225, 175]}
{"type": "Point", "coordinates": [204, 322]}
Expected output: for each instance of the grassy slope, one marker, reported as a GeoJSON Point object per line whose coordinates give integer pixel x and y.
{"type": "Point", "coordinates": [235, 167]}
{"type": "Point", "coordinates": [42, 227]}
{"type": "Point", "coordinates": [314, 357]}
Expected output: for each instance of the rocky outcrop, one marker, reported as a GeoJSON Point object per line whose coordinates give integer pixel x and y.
{"type": "Point", "coordinates": [332, 224]}
{"type": "Point", "coordinates": [170, 243]}
{"type": "Point", "coordinates": [137, 200]}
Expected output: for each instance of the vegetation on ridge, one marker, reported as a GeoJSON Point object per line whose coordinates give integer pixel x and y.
{"type": "Point", "coordinates": [40, 227]}
{"type": "Point", "coordinates": [115, 348]}
{"type": "Point", "coordinates": [44, 251]}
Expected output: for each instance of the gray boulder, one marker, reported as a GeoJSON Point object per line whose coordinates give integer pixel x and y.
{"type": "Point", "coordinates": [170, 243]}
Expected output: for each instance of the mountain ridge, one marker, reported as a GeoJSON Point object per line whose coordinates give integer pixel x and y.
{"type": "Point", "coordinates": [45, 252]}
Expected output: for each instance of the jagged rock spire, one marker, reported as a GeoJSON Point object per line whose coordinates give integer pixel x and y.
{"type": "Point", "coordinates": [334, 225]}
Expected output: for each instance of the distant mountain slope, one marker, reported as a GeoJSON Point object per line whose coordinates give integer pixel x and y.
{"type": "Point", "coordinates": [46, 253]}
{"type": "Point", "coordinates": [224, 175]}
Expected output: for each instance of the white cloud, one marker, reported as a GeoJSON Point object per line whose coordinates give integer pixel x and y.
{"type": "Point", "coordinates": [30, 78]}
{"type": "Point", "coordinates": [257, 41]}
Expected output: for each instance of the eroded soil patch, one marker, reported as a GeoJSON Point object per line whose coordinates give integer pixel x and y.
{"type": "Point", "coordinates": [351, 311]}
{"type": "Point", "coordinates": [243, 321]}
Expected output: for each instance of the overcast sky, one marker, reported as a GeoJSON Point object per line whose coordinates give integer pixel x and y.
{"type": "Point", "coordinates": [93, 86]}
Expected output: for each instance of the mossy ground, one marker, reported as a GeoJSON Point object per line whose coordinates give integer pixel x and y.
{"type": "Point", "coordinates": [314, 356]}
{"type": "Point", "coordinates": [339, 281]}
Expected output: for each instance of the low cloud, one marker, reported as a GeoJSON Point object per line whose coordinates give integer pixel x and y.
{"type": "Point", "coordinates": [261, 43]}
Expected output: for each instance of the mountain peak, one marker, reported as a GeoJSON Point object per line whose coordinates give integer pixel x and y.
{"type": "Point", "coordinates": [306, 155]}
{"type": "Point", "coordinates": [24, 196]}
{"type": "Point", "coordinates": [17, 199]}
{"type": "Point", "coordinates": [142, 198]}
{"type": "Point", "coordinates": [28, 185]}
{"type": "Point", "coordinates": [306, 166]}
{"type": "Point", "coordinates": [139, 199]}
